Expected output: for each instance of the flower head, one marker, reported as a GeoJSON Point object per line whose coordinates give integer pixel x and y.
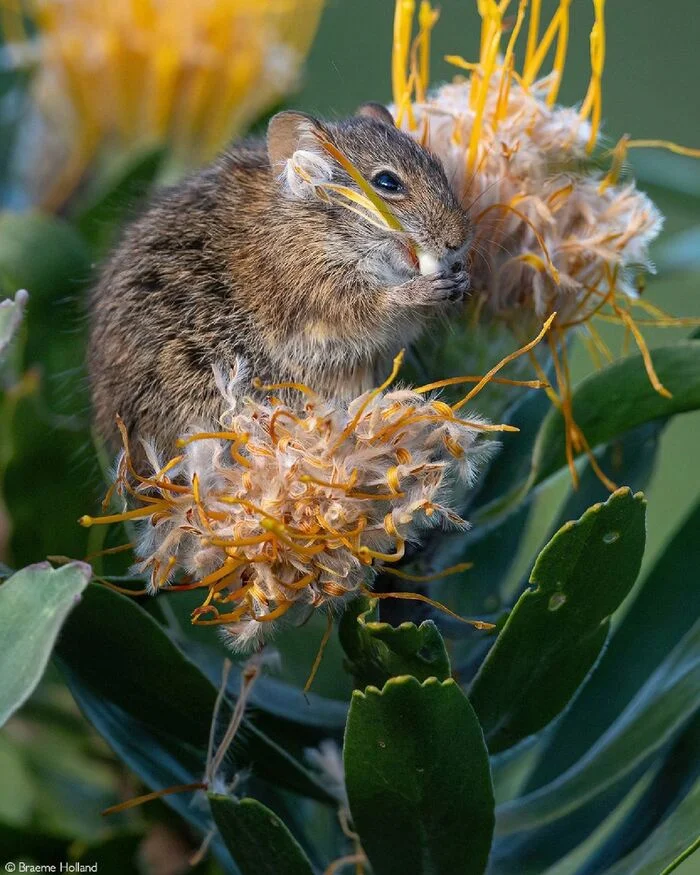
{"type": "Point", "coordinates": [553, 232]}
{"type": "Point", "coordinates": [286, 508]}
{"type": "Point", "coordinates": [188, 74]}
{"type": "Point", "coordinates": [292, 507]}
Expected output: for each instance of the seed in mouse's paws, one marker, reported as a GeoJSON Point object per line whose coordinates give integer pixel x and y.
{"type": "Point", "coordinates": [427, 262]}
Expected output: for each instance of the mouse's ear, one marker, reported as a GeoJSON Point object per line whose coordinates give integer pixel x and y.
{"type": "Point", "coordinates": [378, 112]}
{"type": "Point", "coordinates": [295, 153]}
{"type": "Point", "coordinates": [287, 133]}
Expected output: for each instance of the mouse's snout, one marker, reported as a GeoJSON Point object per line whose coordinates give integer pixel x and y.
{"type": "Point", "coordinates": [456, 258]}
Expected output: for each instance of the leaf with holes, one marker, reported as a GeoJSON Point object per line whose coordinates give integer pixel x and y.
{"type": "Point", "coordinates": [556, 631]}
{"type": "Point", "coordinates": [664, 609]}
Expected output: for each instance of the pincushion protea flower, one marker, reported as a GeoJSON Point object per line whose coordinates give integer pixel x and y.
{"type": "Point", "coordinates": [161, 71]}
{"type": "Point", "coordinates": [286, 509]}
{"type": "Point", "coordinates": [552, 232]}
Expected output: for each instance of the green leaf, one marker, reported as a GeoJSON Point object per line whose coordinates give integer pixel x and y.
{"type": "Point", "coordinates": [650, 721]}
{"type": "Point", "coordinates": [555, 633]}
{"type": "Point", "coordinates": [45, 420]}
{"type": "Point", "coordinates": [48, 257]}
{"type": "Point", "coordinates": [41, 254]}
{"type": "Point", "coordinates": [672, 775]}
{"type": "Point", "coordinates": [675, 840]}
{"type": "Point", "coordinates": [152, 703]}
{"type": "Point", "coordinates": [418, 779]}
{"type": "Point", "coordinates": [377, 651]}
{"type": "Point", "coordinates": [256, 838]}
{"type": "Point", "coordinates": [11, 312]}
{"type": "Point", "coordinates": [49, 481]}
{"type": "Point", "coordinates": [34, 604]}
{"type": "Point", "coordinates": [619, 398]}
{"type": "Point", "coordinates": [663, 611]}
{"type": "Point", "coordinates": [583, 857]}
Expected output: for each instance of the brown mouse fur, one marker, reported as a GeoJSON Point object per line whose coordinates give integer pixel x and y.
{"type": "Point", "coordinates": [233, 263]}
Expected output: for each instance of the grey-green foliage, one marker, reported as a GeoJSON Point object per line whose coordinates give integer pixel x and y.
{"type": "Point", "coordinates": [34, 603]}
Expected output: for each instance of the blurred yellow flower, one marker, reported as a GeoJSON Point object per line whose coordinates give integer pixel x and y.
{"type": "Point", "coordinates": [189, 74]}
{"type": "Point", "coordinates": [553, 232]}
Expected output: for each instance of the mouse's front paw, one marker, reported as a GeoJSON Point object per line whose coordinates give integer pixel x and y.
{"type": "Point", "coordinates": [441, 287]}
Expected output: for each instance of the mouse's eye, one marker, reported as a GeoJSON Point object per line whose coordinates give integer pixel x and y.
{"type": "Point", "coordinates": [387, 181]}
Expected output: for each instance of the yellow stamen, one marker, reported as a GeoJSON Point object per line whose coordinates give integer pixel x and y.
{"type": "Point", "coordinates": [570, 428]}
{"type": "Point", "coordinates": [644, 350]}
{"type": "Point", "coordinates": [664, 144]}
{"type": "Point", "coordinates": [138, 512]}
{"type": "Point", "coordinates": [274, 387]}
{"type": "Point", "coordinates": [109, 551]}
{"type": "Point", "coordinates": [508, 65]}
{"type": "Point", "coordinates": [592, 103]}
{"type": "Point", "coordinates": [428, 578]}
{"type": "Point", "coordinates": [381, 207]}
{"type": "Point", "coordinates": [509, 358]}
{"type": "Point", "coordinates": [403, 23]}
{"type": "Point", "coordinates": [532, 32]}
{"type": "Point", "coordinates": [319, 656]}
{"type": "Point", "coordinates": [493, 22]}
{"type": "Point", "coordinates": [367, 555]}
{"type": "Point", "coordinates": [560, 56]}
{"type": "Point", "coordinates": [619, 156]}
{"type": "Point", "coordinates": [351, 426]}
{"type": "Point", "coordinates": [418, 597]}
{"type": "Point", "coordinates": [427, 19]}
{"type": "Point", "coordinates": [120, 589]}
{"type": "Point", "coordinates": [157, 794]}
{"type": "Point", "coordinates": [458, 61]}
{"type": "Point", "coordinates": [533, 68]}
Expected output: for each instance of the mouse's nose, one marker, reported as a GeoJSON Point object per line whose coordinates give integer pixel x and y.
{"type": "Point", "coordinates": [455, 258]}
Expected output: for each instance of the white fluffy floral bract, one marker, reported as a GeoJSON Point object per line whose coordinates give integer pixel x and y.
{"type": "Point", "coordinates": [551, 235]}
{"type": "Point", "coordinates": [285, 510]}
